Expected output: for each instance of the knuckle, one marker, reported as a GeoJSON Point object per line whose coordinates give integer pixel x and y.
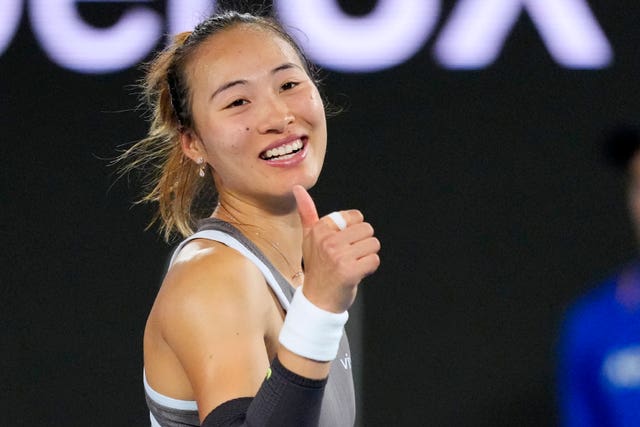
{"type": "Point", "coordinates": [328, 245]}
{"type": "Point", "coordinates": [355, 215]}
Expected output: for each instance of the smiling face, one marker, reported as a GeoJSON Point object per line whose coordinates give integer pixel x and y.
{"type": "Point", "coordinates": [259, 119]}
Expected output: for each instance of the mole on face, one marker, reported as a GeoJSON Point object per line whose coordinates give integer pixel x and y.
{"type": "Point", "coordinates": [247, 129]}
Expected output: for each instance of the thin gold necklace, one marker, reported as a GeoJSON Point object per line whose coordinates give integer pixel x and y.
{"type": "Point", "coordinates": [240, 225]}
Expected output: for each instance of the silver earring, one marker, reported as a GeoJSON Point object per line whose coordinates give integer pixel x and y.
{"type": "Point", "coordinates": [202, 167]}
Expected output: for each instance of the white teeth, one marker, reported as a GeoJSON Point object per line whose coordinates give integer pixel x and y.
{"type": "Point", "coordinates": [283, 149]}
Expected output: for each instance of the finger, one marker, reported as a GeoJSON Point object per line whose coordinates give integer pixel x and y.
{"type": "Point", "coordinates": [358, 231]}
{"type": "Point", "coordinates": [306, 207]}
{"type": "Point", "coordinates": [338, 220]}
{"type": "Point", "coordinates": [368, 265]}
{"type": "Point", "coordinates": [365, 247]}
{"type": "Point", "coordinates": [363, 267]}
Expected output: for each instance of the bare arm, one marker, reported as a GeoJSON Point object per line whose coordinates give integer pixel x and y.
{"type": "Point", "coordinates": [214, 311]}
{"type": "Point", "coordinates": [218, 309]}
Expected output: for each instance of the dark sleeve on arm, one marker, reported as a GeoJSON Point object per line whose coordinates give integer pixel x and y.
{"type": "Point", "coordinates": [284, 399]}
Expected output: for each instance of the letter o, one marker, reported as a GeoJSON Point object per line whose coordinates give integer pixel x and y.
{"type": "Point", "coordinates": [71, 43]}
{"type": "Point", "coordinates": [393, 32]}
{"type": "Point", "coordinates": [10, 11]}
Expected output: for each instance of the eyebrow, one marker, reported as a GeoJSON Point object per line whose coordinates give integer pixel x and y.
{"type": "Point", "coordinates": [285, 66]}
{"type": "Point", "coordinates": [229, 85]}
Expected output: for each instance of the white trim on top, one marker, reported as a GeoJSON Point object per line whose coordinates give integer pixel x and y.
{"type": "Point", "coordinates": [161, 399]}
{"type": "Point", "coordinates": [226, 239]}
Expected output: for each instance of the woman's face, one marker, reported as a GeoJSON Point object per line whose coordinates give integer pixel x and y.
{"type": "Point", "coordinates": [259, 119]}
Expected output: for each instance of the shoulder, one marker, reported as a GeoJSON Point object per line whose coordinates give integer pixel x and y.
{"type": "Point", "coordinates": [209, 281]}
{"type": "Point", "coordinates": [211, 316]}
{"type": "Point", "coordinates": [202, 262]}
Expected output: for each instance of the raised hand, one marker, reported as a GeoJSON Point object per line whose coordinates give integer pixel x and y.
{"type": "Point", "coordinates": [335, 260]}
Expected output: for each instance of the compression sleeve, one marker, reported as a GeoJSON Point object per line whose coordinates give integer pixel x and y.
{"type": "Point", "coordinates": [284, 399]}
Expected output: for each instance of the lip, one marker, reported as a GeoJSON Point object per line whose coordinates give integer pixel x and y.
{"type": "Point", "coordinates": [295, 158]}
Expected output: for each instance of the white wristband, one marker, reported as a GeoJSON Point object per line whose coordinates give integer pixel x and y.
{"type": "Point", "coordinates": [312, 332]}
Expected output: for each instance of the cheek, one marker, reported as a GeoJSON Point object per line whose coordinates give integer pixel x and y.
{"type": "Point", "coordinates": [223, 148]}
{"type": "Point", "coordinates": [310, 105]}
{"type": "Point", "coordinates": [316, 103]}
{"type": "Point", "coordinates": [239, 138]}
{"type": "Point", "coordinates": [233, 138]}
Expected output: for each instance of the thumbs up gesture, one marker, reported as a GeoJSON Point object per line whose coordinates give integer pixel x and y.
{"type": "Point", "coordinates": [337, 254]}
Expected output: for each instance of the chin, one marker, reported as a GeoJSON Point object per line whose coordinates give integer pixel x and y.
{"type": "Point", "coordinates": [307, 181]}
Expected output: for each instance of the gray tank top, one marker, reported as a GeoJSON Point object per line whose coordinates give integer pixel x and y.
{"type": "Point", "coordinates": [338, 404]}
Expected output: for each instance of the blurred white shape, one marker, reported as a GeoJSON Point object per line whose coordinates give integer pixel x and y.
{"type": "Point", "coordinates": [10, 11]}
{"type": "Point", "coordinates": [622, 368]}
{"type": "Point", "coordinates": [476, 31]}
{"type": "Point", "coordinates": [183, 15]}
{"type": "Point", "coordinates": [571, 33]}
{"type": "Point", "coordinates": [394, 31]}
{"type": "Point", "coordinates": [70, 42]}
{"type": "Point", "coordinates": [389, 35]}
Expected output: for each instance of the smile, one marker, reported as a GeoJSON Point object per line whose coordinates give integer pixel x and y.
{"type": "Point", "coordinates": [282, 152]}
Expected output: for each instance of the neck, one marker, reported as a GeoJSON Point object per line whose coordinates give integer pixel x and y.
{"type": "Point", "coordinates": [277, 234]}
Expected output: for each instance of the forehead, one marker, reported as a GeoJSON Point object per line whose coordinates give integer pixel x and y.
{"type": "Point", "coordinates": [240, 52]}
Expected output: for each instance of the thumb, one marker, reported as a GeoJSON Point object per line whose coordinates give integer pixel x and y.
{"type": "Point", "coordinates": [306, 207]}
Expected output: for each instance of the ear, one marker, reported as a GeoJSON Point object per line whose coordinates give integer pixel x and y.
{"type": "Point", "coordinates": [191, 144]}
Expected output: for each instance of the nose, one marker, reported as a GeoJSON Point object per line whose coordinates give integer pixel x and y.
{"type": "Point", "coordinates": [275, 115]}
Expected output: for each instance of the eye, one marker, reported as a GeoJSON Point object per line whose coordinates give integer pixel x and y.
{"type": "Point", "coordinates": [289, 85]}
{"type": "Point", "coordinates": [237, 103]}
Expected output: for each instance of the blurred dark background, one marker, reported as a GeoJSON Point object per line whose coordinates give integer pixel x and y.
{"type": "Point", "coordinates": [487, 189]}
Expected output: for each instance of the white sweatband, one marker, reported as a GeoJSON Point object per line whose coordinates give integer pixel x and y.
{"type": "Point", "coordinates": [338, 219]}
{"type": "Point", "coordinates": [312, 332]}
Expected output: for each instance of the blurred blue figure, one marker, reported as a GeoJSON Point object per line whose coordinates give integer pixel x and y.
{"type": "Point", "coordinates": [599, 370]}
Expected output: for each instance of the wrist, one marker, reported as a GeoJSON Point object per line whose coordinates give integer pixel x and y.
{"type": "Point", "coordinates": [310, 331]}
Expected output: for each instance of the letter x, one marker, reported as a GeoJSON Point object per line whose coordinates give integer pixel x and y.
{"type": "Point", "coordinates": [476, 31]}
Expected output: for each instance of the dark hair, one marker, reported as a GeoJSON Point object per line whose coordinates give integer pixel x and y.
{"type": "Point", "coordinates": [172, 179]}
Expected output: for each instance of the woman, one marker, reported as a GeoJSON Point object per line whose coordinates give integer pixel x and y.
{"type": "Point", "coordinates": [235, 109]}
